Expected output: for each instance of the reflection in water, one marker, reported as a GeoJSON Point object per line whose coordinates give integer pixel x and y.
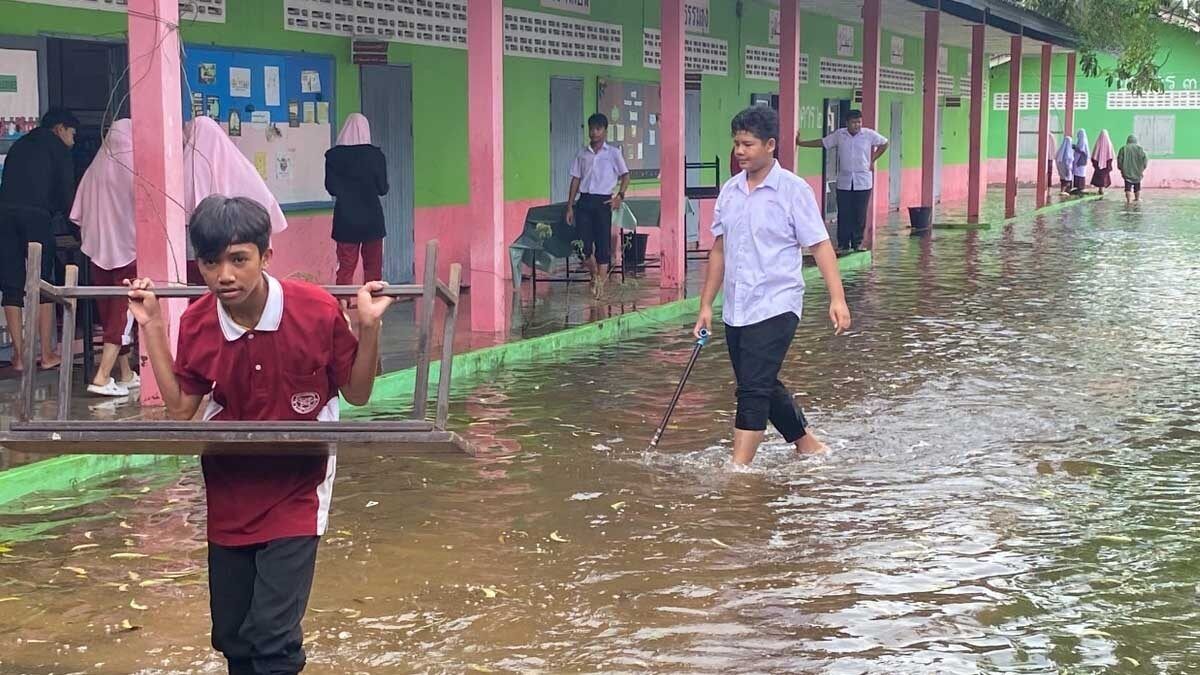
{"type": "Point", "coordinates": [1015, 430]}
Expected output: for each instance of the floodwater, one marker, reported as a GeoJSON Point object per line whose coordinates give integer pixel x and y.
{"type": "Point", "coordinates": [1012, 489]}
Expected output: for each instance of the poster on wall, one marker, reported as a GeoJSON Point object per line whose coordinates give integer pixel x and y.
{"type": "Point", "coordinates": [773, 27]}
{"type": "Point", "coordinates": [19, 95]}
{"type": "Point", "coordinates": [577, 6]}
{"type": "Point", "coordinates": [845, 40]}
{"type": "Point", "coordinates": [271, 84]}
{"type": "Point", "coordinates": [695, 16]}
{"type": "Point", "coordinates": [897, 51]}
{"type": "Point", "coordinates": [239, 82]}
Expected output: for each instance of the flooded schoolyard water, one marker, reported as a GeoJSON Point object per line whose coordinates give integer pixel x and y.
{"type": "Point", "coordinates": [1012, 489]}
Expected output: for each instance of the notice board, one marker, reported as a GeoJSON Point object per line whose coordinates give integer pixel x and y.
{"type": "Point", "coordinates": [634, 118]}
{"type": "Point", "coordinates": [278, 109]}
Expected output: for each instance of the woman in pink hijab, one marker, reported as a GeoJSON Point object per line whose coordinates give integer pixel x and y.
{"type": "Point", "coordinates": [356, 176]}
{"type": "Point", "coordinates": [103, 210]}
{"type": "Point", "coordinates": [1102, 161]}
{"type": "Point", "coordinates": [213, 165]}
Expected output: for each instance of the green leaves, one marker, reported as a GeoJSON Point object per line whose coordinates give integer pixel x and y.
{"type": "Point", "coordinates": [1119, 39]}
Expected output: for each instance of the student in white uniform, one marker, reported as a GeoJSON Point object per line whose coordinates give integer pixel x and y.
{"type": "Point", "coordinates": [595, 175]}
{"type": "Point", "coordinates": [857, 148]}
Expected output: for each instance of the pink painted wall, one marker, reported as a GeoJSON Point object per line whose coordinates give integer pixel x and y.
{"type": "Point", "coordinates": [1161, 173]}
{"type": "Point", "coordinates": [306, 248]}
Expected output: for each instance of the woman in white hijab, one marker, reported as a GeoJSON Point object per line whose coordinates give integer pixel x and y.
{"type": "Point", "coordinates": [1065, 161]}
{"type": "Point", "coordinates": [1082, 155]}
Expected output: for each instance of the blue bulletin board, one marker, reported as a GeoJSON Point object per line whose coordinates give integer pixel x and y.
{"type": "Point", "coordinates": [289, 150]}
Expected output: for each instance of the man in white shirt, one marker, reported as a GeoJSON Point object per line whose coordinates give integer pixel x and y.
{"type": "Point", "coordinates": [764, 215]}
{"type": "Point", "coordinates": [857, 150]}
{"type": "Point", "coordinates": [595, 174]}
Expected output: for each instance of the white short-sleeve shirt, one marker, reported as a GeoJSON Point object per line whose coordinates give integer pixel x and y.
{"type": "Point", "coordinates": [854, 157]}
{"type": "Point", "coordinates": [764, 231]}
{"type": "Point", "coordinates": [598, 170]}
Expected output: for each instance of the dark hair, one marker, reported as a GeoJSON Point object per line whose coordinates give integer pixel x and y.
{"type": "Point", "coordinates": [220, 222]}
{"type": "Point", "coordinates": [759, 120]}
{"type": "Point", "coordinates": [598, 120]}
{"type": "Point", "coordinates": [57, 116]}
{"type": "Point", "coordinates": [854, 115]}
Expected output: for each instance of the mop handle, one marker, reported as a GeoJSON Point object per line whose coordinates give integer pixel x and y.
{"type": "Point", "coordinates": [700, 342]}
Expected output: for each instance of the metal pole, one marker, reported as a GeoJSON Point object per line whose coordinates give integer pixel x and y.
{"type": "Point", "coordinates": [703, 340]}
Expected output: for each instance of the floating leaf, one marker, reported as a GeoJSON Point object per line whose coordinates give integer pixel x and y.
{"type": "Point", "coordinates": [617, 506]}
{"type": "Point", "coordinates": [127, 556]}
{"type": "Point", "coordinates": [84, 547]}
{"type": "Point", "coordinates": [134, 604]}
{"type": "Point", "coordinates": [554, 536]}
{"type": "Point", "coordinates": [372, 503]}
{"type": "Point", "coordinates": [4, 549]}
{"type": "Point", "coordinates": [479, 669]}
{"type": "Point", "coordinates": [152, 582]}
{"type": "Point", "coordinates": [720, 543]}
{"type": "Point", "coordinates": [133, 576]}
{"type": "Point", "coordinates": [122, 587]}
{"type": "Point", "coordinates": [77, 570]}
{"type": "Point", "coordinates": [1114, 538]}
{"type": "Point", "coordinates": [8, 599]}
{"type": "Point", "coordinates": [125, 625]}
{"type": "Point", "coordinates": [126, 525]}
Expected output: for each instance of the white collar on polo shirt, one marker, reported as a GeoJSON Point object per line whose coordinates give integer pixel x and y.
{"type": "Point", "coordinates": [271, 316]}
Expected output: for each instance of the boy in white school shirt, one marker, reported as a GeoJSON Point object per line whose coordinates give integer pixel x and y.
{"type": "Point", "coordinates": [599, 177]}
{"type": "Point", "coordinates": [764, 215]}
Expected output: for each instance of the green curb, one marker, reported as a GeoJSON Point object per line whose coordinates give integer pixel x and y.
{"type": "Point", "coordinates": [68, 472]}
{"type": "Point", "coordinates": [470, 365]}
{"type": "Point", "coordinates": [1051, 208]}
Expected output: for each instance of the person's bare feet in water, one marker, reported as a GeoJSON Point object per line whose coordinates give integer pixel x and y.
{"type": "Point", "coordinates": [809, 444]}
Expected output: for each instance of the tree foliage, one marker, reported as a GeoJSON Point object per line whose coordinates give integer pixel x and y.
{"type": "Point", "coordinates": [1127, 31]}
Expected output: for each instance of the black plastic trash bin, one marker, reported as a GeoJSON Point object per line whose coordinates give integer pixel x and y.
{"type": "Point", "coordinates": [920, 217]}
{"type": "Point", "coordinates": [633, 247]}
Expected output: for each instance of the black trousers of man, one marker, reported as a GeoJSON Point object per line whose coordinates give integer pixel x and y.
{"type": "Point", "coordinates": [593, 223]}
{"type": "Point", "coordinates": [757, 352]}
{"type": "Point", "coordinates": [20, 225]}
{"type": "Point", "coordinates": [852, 217]}
{"type": "Point", "coordinates": [257, 595]}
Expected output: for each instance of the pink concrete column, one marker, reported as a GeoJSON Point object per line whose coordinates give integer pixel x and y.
{"type": "Point", "coordinates": [671, 150]}
{"type": "Point", "coordinates": [929, 132]}
{"type": "Point", "coordinates": [1069, 114]}
{"type": "Point", "coordinates": [157, 114]}
{"type": "Point", "coordinates": [789, 80]}
{"type": "Point", "coordinates": [1014, 117]}
{"type": "Point", "coordinates": [485, 149]}
{"type": "Point", "coordinates": [870, 88]}
{"type": "Point", "coordinates": [975, 140]}
{"type": "Point", "coordinates": [1043, 129]}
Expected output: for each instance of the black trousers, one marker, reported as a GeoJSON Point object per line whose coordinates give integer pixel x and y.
{"type": "Point", "coordinates": [852, 216]}
{"type": "Point", "coordinates": [18, 227]}
{"type": "Point", "coordinates": [757, 353]}
{"type": "Point", "coordinates": [593, 222]}
{"type": "Point", "coordinates": [258, 595]}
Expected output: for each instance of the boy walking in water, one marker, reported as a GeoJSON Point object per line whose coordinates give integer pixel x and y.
{"type": "Point", "coordinates": [265, 349]}
{"type": "Point", "coordinates": [598, 171]}
{"type": "Point", "coordinates": [764, 215]}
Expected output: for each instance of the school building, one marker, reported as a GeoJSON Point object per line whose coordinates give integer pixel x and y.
{"type": "Point", "coordinates": [1159, 120]}
{"type": "Point", "coordinates": [479, 106]}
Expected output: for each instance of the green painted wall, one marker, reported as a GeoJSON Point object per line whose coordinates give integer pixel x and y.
{"type": "Point", "coordinates": [439, 84]}
{"type": "Point", "coordinates": [1180, 59]}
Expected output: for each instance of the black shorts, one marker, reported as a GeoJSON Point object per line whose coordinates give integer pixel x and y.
{"type": "Point", "coordinates": [18, 227]}
{"type": "Point", "coordinates": [593, 223]}
{"type": "Point", "coordinates": [258, 595]}
{"type": "Point", "coordinates": [1133, 187]}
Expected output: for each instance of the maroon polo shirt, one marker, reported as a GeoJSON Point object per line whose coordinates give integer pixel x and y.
{"type": "Point", "coordinates": [288, 367]}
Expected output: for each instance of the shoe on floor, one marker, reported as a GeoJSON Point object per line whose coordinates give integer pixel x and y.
{"type": "Point", "coordinates": [132, 383]}
{"type": "Point", "coordinates": [110, 388]}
